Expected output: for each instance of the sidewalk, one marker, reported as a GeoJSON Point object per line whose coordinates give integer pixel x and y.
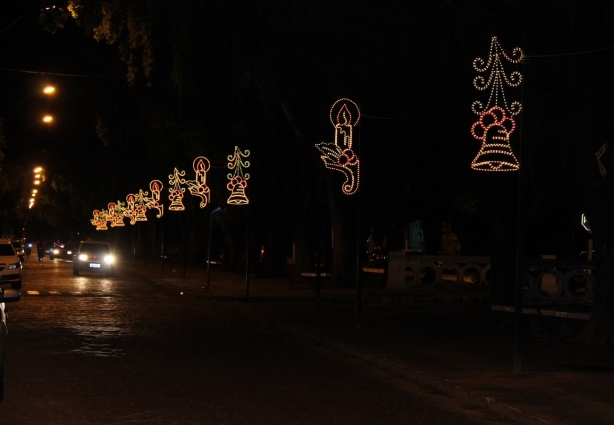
{"type": "Point", "coordinates": [450, 340]}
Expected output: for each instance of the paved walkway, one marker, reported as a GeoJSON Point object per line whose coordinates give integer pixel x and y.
{"type": "Point", "coordinates": [450, 340]}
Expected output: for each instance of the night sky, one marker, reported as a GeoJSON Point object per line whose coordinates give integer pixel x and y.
{"type": "Point", "coordinates": [409, 67]}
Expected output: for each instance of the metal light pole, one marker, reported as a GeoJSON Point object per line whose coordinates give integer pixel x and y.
{"type": "Point", "coordinates": [215, 210]}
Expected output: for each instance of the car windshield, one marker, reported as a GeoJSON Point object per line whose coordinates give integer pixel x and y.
{"type": "Point", "coordinates": [6, 249]}
{"type": "Point", "coordinates": [95, 247]}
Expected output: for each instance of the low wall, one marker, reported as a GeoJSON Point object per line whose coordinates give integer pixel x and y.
{"type": "Point", "coordinates": [406, 270]}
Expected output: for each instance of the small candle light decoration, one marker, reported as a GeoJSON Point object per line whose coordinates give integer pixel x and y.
{"type": "Point", "coordinates": [238, 178]}
{"type": "Point", "coordinates": [156, 187]}
{"type": "Point", "coordinates": [100, 219]}
{"type": "Point", "coordinates": [130, 210]}
{"type": "Point", "coordinates": [198, 186]}
{"type": "Point", "coordinates": [176, 191]}
{"type": "Point", "coordinates": [344, 115]}
{"type": "Point", "coordinates": [116, 216]}
{"type": "Point", "coordinates": [496, 116]}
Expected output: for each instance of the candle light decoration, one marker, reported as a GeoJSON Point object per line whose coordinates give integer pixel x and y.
{"type": "Point", "coordinates": [116, 216]}
{"type": "Point", "coordinates": [100, 219]}
{"type": "Point", "coordinates": [198, 186]}
{"type": "Point", "coordinates": [496, 123]}
{"type": "Point", "coordinates": [130, 211]}
{"type": "Point", "coordinates": [344, 115]}
{"type": "Point", "coordinates": [238, 179]}
{"type": "Point", "coordinates": [156, 187]}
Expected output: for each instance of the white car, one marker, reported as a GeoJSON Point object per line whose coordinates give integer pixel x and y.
{"type": "Point", "coordinates": [10, 265]}
{"type": "Point", "coordinates": [6, 296]}
{"type": "Point", "coordinates": [94, 256]}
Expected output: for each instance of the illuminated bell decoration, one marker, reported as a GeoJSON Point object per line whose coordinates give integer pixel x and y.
{"type": "Point", "coordinates": [493, 130]}
{"type": "Point", "coordinates": [237, 191]}
{"type": "Point", "coordinates": [176, 191]}
{"type": "Point", "coordinates": [198, 186]}
{"type": "Point", "coordinates": [496, 124]}
{"type": "Point", "coordinates": [238, 179]}
{"type": "Point", "coordinates": [344, 115]}
{"type": "Point", "coordinates": [140, 205]}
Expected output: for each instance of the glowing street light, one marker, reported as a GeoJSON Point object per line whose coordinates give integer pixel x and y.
{"type": "Point", "coordinates": [47, 119]}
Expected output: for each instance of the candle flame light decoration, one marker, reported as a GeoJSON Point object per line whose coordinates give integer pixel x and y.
{"type": "Point", "coordinates": [238, 179]}
{"type": "Point", "coordinates": [496, 122]}
{"type": "Point", "coordinates": [344, 115]}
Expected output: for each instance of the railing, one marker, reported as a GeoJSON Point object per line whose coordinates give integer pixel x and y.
{"type": "Point", "coordinates": [545, 282]}
{"type": "Point", "coordinates": [407, 270]}
{"type": "Point", "coordinates": [558, 282]}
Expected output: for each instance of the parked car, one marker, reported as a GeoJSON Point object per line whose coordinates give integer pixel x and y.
{"type": "Point", "coordinates": [10, 265]}
{"type": "Point", "coordinates": [94, 256]}
{"type": "Point", "coordinates": [6, 296]}
{"type": "Point", "coordinates": [61, 250]}
{"type": "Point", "coordinates": [19, 247]}
{"type": "Point", "coordinates": [378, 257]}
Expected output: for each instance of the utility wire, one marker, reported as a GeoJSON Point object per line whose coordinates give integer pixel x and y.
{"type": "Point", "coordinates": [24, 71]}
{"type": "Point", "coordinates": [584, 52]}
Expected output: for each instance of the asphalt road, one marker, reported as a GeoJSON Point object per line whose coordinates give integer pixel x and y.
{"type": "Point", "coordinates": [97, 350]}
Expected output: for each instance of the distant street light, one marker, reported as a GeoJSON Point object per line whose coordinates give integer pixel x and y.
{"type": "Point", "coordinates": [47, 119]}
{"type": "Point", "coordinates": [38, 177]}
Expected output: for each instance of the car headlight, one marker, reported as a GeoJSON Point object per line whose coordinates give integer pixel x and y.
{"type": "Point", "coordinates": [56, 251]}
{"type": "Point", "coordinates": [14, 266]}
{"type": "Point", "coordinates": [69, 252]}
{"type": "Point", "coordinates": [82, 257]}
{"type": "Point", "coordinates": [109, 259]}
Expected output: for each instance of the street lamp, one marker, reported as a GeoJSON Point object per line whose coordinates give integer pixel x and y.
{"type": "Point", "coordinates": [39, 176]}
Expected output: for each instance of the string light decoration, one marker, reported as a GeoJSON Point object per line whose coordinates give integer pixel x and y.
{"type": "Point", "coordinates": [198, 186]}
{"type": "Point", "coordinates": [176, 191]}
{"type": "Point", "coordinates": [493, 129]}
{"type": "Point", "coordinates": [116, 216]}
{"type": "Point", "coordinates": [344, 115]}
{"type": "Point", "coordinates": [496, 123]}
{"type": "Point", "coordinates": [130, 210]}
{"type": "Point", "coordinates": [156, 187]}
{"type": "Point", "coordinates": [100, 219]}
{"type": "Point", "coordinates": [238, 179]}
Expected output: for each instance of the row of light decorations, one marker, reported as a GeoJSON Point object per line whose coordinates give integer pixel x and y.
{"type": "Point", "coordinates": [137, 204]}
{"type": "Point", "coordinates": [38, 178]}
{"type": "Point", "coordinates": [493, 129]}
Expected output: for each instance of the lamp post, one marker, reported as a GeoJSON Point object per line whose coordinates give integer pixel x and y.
{"type": "Point", "coordinates": [216, 211]}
